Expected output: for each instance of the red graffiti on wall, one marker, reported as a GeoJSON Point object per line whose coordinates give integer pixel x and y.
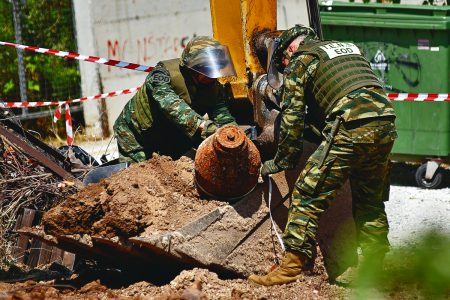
{"type": "Point", "coordinates": [147, 49]}
{"type": "Point", "coordinates": [114, 50]}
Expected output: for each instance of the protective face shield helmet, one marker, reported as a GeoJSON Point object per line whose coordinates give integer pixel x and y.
{"type": "Point", "coordinates": [207, 56]}
{"type": "Point", "coordinates": [276, 51]}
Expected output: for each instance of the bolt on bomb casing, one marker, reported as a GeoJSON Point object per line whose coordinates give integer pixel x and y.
{"type": "Point", "coordinates": [227, 164]}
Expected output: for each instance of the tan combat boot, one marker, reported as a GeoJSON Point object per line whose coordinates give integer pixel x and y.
{"type": "Point", "coordinates": [290, 270]}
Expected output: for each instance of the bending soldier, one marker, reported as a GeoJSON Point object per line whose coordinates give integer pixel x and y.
{"type": "Point", "coordinates": [344, 98]}
{"type": "Point", "coordinates": [180, 104]}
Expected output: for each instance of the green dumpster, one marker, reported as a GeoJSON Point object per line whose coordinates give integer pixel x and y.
{"type": "Point", "coordinates": [408, 48]}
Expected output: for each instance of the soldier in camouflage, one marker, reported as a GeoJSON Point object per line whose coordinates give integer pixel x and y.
{"type": "Point", "coordinates": [180, 104]}
{"type": "Point", "coordinates": [329, 85]}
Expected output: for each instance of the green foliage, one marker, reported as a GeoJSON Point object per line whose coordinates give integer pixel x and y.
{"type": "Point", "coordinates": [9, 86]}
{"type": "Point", "coordinates": [429, 267]}
{"type": "Point", "coordinates": [47, 24]}
{"type": "Point", "coordinates": [8, 57]}
{"type": "Point", "coordinates": [419, 270]}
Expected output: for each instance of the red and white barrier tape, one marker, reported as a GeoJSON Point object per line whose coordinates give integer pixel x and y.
{"type": "Point", "coordinates": [57, 114]}
{"type": "Point", "coordinates": [393, 97]}
{"type": "Point", "coordinates": [137, 67]}
{"type": "Point", "coordinates": [73, 55]}
{"type": "Point", "coordinates": [47, 103]}
{"type": "Point", "coordinates": [419, 97]}
{"type": "Point", "coordinates": [69, 128]}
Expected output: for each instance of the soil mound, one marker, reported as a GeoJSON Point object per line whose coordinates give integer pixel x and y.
{"type": "Point", "coordinates": [189, 284]}
{"type": "Point", "coordinates": [154, 196]}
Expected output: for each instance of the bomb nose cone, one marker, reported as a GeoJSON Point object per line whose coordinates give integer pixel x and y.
{"type": "Point", "coordinates": [229, 139]}
{"type": "Point", "coordinates": [227, 164]}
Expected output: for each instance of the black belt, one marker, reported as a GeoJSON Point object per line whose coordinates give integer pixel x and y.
{"type": "Point", "coordinates": [369, 122]}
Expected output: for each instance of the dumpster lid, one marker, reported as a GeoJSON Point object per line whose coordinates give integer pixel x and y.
{"type": "Point", "coordinates": [385, 15]}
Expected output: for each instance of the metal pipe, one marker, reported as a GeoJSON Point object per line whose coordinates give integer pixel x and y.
{"type": "Point", "coordinates": [260, 41]}
{"type": "Point", "coordinates": [21, 66]}
{"type": "Point", "coordinates": [314, 16]}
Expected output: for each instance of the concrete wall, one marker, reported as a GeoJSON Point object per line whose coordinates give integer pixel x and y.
{"type": "Point", "coordinates": [143, 32]}
{"type": "Point", "coordinates": [136, 31]}
{"type": "Point", "coordinates": [90, 84]}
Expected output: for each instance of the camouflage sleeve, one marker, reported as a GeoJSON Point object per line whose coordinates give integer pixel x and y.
{"type": "Point", "coordinates": [221, 115]}
{"type": "Point", "coordinates": [173, 107]}
{"type": "Point", "coordinates": [290, 145]}
{"type": "Point", "coordinates": [130, 150]}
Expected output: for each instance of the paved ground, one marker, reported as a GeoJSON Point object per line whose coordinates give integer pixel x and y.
{"type": "Point", "coordinates": [412, 210]}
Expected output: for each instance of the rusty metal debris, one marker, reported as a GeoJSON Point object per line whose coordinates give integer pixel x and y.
{"type": "Point", "coordinates": [36, 149]}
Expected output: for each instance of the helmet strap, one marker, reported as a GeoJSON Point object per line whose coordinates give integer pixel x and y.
{"type": "Point", "coordinates": [287, 54]}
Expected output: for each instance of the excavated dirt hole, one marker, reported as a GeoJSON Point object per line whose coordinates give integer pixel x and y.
{"type": "Point", "coordinates": [157, 196]}
{"type": "Point", "coordinates": [97, 282]}
{"type": "Point", "coordinates": [151, 197]}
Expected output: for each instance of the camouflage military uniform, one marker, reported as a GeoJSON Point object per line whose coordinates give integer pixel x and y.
{"type": "Point", "coordinates": [359, 152]}
{"type": "Point", "coordinates": [165, 114]}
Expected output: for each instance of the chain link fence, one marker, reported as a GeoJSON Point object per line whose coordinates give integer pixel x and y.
{"type": "Point", "coordinates": [33, 77]}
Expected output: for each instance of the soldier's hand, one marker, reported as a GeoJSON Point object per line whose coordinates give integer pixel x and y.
{"type": "Point", "coordinates": [270, 167]}
{"type": "Point", "coordinates": [207, 128]}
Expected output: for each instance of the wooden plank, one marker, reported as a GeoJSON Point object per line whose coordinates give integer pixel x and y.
{"type": "Point", "coordinates": [18, 251]}
{"type": "Point", "coordinates": [23, 242]}
{"type": "Point", "coordinates": [45, 254]}
{"type": "Point", "coordinates": [18, 224]}
{"type": "Point", "coordinates": [57, 255]}
{"type": "Point", "coordinates": [68, 260]}
{"type": "Point", "coordinates": [41, 157]}
{"type": "Point", "coordinates": [38, 251]}
{"type": "Point", "coordinates": [35, 250]}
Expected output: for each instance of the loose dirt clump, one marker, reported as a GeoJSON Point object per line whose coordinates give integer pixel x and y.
{"type": "Point", "coordinates": [189, 284]}
{"type": "Point", "coordinates": [154, 196]}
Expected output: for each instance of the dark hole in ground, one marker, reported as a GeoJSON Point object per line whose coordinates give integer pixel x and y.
{"type": "Point", "coordinates": [87, 271]}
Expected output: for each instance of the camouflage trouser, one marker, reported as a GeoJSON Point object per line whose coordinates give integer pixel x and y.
{"type": "Point", "coordinates": [361, 155]}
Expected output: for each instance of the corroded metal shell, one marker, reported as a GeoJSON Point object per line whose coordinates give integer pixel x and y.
{"type": "Point", "coordinates": [227, 164]}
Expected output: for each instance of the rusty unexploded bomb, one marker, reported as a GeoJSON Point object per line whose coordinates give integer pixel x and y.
{"type": "Point", "coordinates": [227, 164]}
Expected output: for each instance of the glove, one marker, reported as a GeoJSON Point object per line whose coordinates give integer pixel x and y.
{"type": "Point", "coordinates": [270, 167]}
{"type": "Point", "coordinates": [208, 128]}
{"type": "Point", "coordinates": [251, 133]}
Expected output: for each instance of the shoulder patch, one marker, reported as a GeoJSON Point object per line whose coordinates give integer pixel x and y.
{"type": "Point", "coordinates": [339, 49]}
{"type": "Point", "coordinates": [158, 76]}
